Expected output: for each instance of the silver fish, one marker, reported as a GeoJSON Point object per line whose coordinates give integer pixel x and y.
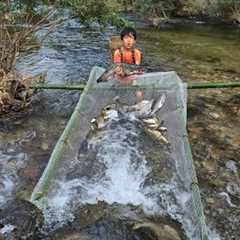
{"type": "Point", "coordinates": [123, 70]}
{"type": "Point", "coordinates": [157, 105]}
{"type": "Point", "coordinates": [144, 109]}
{"type": "Point", "coordinates": [163, 129]}
{"type": "Point", "coordinates": [147, 108]}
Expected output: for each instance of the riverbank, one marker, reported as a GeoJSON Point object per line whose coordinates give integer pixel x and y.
{"type": "Point", "coordinates": [207, 53]}
{"type": "Point", "coordinates": [165, 23]}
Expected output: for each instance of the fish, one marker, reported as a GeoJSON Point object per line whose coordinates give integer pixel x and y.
{"type": "Point", "coordinates": [98, 122]}
{"type": "Point", "coordinates": [142, 109]}
{"type": "Point", "coordinates": [108, 113]}
{"type": "Point", "coordinates": [157, 104]}
{"type": "Point", "coordinates": [124, 70]}
{"type": "Point", "coordinates": [163, 129]}
{"type": "Point", "coordinates": [156, 134]}
{"type": "Point", "coordinates": [147, 108]}
{"type": "Point", "coordinates": [150, 121]}
{"type": "Point", "coordinates": [140, 112]}
{"type": "Point", "coordinates": [153, 126]}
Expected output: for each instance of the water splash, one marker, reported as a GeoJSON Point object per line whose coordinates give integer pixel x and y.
{"type": "Point", "coordinates": [10, 163]}
{"type": "Point", "coordinates": [116, 172]}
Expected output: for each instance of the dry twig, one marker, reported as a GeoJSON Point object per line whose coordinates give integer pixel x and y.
{"type": "Point", "coordinates": [14, 88]}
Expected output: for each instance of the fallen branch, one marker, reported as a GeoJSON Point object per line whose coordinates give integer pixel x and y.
{"type": "Point", "coordinates": [15, 91]}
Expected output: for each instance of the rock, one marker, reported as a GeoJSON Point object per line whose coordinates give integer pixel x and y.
{"type": "Point", "coordinates": [21, 220]}
{"type": "Point", "coordinates": [231, 165]}
{"type": "Point", "coordinates": [90, 213]}
{"type": "Point", "coordinates": [227, 198]}
{"type": "Point", "coordinates": [156, 231]}
{"type": "Point", "coordinates": [213, 115]}
{"type": "Point", "coordinates": [103, 221]}
{"type": "Point", "coordinates": [44, 146]}
{"type": "Point", "coordinates": [210, 200]}
{"type": "Point", "coordinates": [31, 172]}
{"type": "Point", "coordinates": [71, 236]}
{"type": "Point", "coordinates": [235, 99]}
{"type": "Point", "coordinates": [233, 189]}
{"type": "Point", "coordinates": [210, 166]}
{"type": "Point", "coordinates": [196, 108]}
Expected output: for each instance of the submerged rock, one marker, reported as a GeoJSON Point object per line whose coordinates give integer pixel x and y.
{"type": "Point", "coordinates": [231, 165]}
{"type": "Point", "coordinates": [234, 189]}
{"type": "Point", "coordinates": [150, 230]}
{"type": "Point", "coordinates": [118, 222]}
{"type": "Point", "coordinates": [214, 136]}
{"type": "Point", "coordinates": [70, 236]}
{"type": "Point", "coordinates": [20, 219]}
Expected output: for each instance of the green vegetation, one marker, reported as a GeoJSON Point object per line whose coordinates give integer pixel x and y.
{"type": "Point", "coordinates": [104, 12]}
{"type": "Point", "coordinates": [109, 11]}
{"type": "Point", "coordinates": [228, 10]}
{"type": "Point", "coordinates": [155, 8]}
{"type": "Point", "coordinates": [14, 92]}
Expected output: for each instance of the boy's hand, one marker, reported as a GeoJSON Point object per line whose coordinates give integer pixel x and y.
{"type": "Point", "coordinates": [119, 71]}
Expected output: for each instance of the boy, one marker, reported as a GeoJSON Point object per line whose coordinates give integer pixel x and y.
{"type": "Point", "coordinates": [128, 53]}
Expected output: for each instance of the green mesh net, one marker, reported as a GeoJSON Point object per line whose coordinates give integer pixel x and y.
{"type": "Point", "coordinates": [163, 163]}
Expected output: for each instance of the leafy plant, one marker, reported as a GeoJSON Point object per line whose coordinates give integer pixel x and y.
{"type": "Point", "coordinates": [103, 12]}
{"type": "Point", "coordinates": [155, 8]}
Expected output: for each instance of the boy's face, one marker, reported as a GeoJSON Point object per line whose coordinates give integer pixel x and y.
{"type": "Point", "coordinates": [128, 41]}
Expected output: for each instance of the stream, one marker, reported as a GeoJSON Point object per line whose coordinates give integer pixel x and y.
{"type": "Point", "coordinates": [198, 52]}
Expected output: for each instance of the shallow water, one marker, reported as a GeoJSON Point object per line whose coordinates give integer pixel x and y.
{"type": "Point", "coordinates": [208, 53]}
{"type": "Point", "coordinates": [27, 139]}
{"type": "Point", "coordinates": [197, 53]}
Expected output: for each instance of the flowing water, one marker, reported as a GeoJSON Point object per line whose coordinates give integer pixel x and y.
{"type": "Point", "coordinates": [197, 53]}
{"type": "Point", "coordinates": [27, 141]}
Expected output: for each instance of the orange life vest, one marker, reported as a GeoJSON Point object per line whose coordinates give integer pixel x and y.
{"type": "Point", "coordinates": [123, 56]}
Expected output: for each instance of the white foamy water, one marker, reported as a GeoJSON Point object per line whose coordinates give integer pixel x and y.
{"type": "Point", "coordinates": [123, 177]}
{"type": "Point", "coordinates": [125, 169]}
{"type": "Point", "coordinates": [10, 163]}
{"type": "Point", "coordinates": [119, 177]}
{"type": "Point", "coordinates": [7, 185]}
{"type": "Point", "coordinates": [7, 229]}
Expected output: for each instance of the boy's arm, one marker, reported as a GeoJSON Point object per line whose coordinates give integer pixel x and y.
{"type": "Point", "coordinates": [117, 57]}
{"type": "Point", "coordinates": [138, 56]}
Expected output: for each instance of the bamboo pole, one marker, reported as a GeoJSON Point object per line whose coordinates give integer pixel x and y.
{"type": "Point", "coordinates": [59, 86]}
{"type": "Point", "coordinates": [212, 85]}
{"type": "Point", "coordinates": [80, 87]}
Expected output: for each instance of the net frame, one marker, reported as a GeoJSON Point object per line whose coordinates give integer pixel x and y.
{"type": "Point", "coordinates": [69, 140]}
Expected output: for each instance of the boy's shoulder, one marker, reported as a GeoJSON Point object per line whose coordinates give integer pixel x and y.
{"type": "Point", "coordinates": [119, 50]}
{"type": "Point", "coordinates": [136, 50]}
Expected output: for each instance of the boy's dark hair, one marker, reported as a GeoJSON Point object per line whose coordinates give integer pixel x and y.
{"type": "Point", "coordinates": [128, 30]}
